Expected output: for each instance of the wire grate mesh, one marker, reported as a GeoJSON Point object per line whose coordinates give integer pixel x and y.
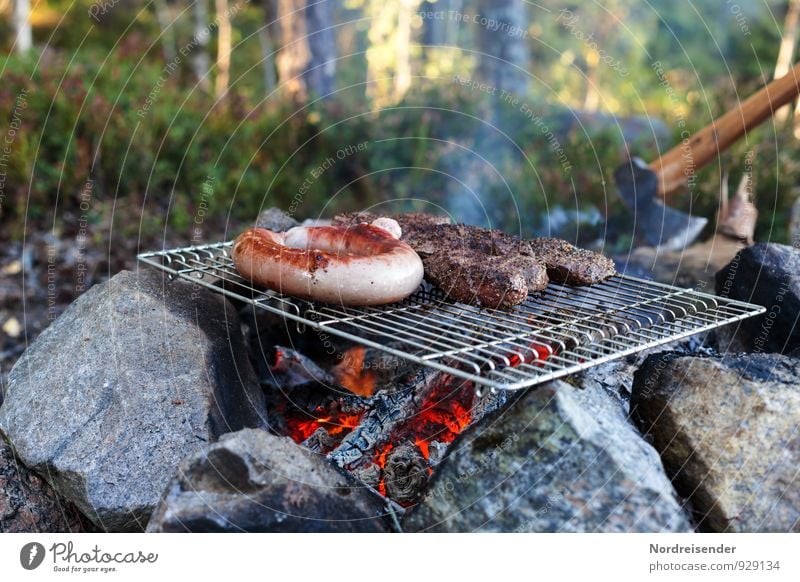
{"type": "Point", "coordinates": [554, 333]}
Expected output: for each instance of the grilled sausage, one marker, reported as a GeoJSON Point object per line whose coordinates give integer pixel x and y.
{"type": "Point", "coordinates": [362, 265]}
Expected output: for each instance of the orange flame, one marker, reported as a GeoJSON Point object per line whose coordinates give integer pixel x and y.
{"type": "Point", "coordinates": [350, 373]}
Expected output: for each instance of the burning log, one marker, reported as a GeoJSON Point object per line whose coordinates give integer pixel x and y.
{"type": "Point", "coordinates": [405, 474]}
{"type": "Point", "coordinates": [387, 410]}
{"type": "Point", "coordinates": [308, 407]}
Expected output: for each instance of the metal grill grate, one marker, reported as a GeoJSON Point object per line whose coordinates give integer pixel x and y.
{"type": "Point", "coordinates": [552, 334]}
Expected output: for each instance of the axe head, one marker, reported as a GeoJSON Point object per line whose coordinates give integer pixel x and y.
{"type": "Point", "coordinates": [655, 223]}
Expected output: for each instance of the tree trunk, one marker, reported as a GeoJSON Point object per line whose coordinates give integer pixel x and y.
{"type": "Point", "coordinates": [167, 33]}
{"type": "Point", "coordinates": [266, 36]}
{"type": "Point", "coordinates": [321, 72]}
{"type": "Point", "coordinates": [402, 77]}
{"type": "Point", "coordinates": [504, 52]}
{"type": "Point", "coordinates": [786, 52]}
{"type": "Point", "coordinates": [307, 56]}
{"type": "Point", "coordinates": [202, 34]}
{"type": "Point", "coordinates": [441, 31]}
{"type": "Point", "coordinates": [22, 26]}
{"type": "Point", "coordinates": [294, 54]}
{"type": "Point", "coordinates": [223, 48]}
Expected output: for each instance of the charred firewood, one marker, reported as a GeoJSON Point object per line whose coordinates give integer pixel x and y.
{"type": "Point", "coordinates": [307, 404]}
{"type": "Point", "coordinates": [320, 441]}
{"type": "Point", "coordinates": [387, 410]}
{"type": "Point", "coordinates": [370, 475]}
{"type": "Point", "coordinates": [405, 474]}
{"type": "Point", "coordinates": [488, 402]}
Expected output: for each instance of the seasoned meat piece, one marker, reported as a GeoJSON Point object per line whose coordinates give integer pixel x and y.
{"type": "Point", "coordinates": [467, 263]}
{"type": "Point", "coordinates": [419, 230]}
{"type": "Point", "coordinates": [471, 277]}
{"type": "Point", "coordinates": [420, 219]}
{"type": "Point", "coordinates": [571, 265]}
{"type": "Point", "coordinates": [429, 238]}
{"type": "Point", "coordinates": [532, 269]}
{"type": "Point", "coordinates": [353, 218]}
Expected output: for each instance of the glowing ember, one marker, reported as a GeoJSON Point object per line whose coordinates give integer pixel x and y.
{"type": "Point", "coordinates": [423, 447]}
{"type": "Point", "coordinates": [444, 414]}
{"type": "Point", "coordinates": [336, 425]}
{"type": "Point", "coordinates": [380, 460]}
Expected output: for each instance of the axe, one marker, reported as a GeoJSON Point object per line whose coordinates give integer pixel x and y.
{"type": "Point", "coordinates": [645, 188]}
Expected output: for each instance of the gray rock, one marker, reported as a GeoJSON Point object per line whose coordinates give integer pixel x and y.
{"type": "Point", "coordinates": [254, 481]}
{"type": "Point", "coordinates": [616, 376]}
{"type": "Point", "coordinates": [558, 459]}
{"type": "Point", "coordinates": [275, 219]}
{"type": "Point", "coordinates": [766, 274]}
{"type": "Point", "coordinates": [134, 376]}
{"type": "Point", "coordinates": [28, 504]}
{"type": "Point", "coordinates": [727, 430]}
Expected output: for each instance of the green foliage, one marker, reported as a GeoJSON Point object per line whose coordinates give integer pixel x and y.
{"type": "Point", "coordinates": [162, 154]}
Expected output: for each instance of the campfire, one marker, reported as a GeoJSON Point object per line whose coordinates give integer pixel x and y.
{"type": "Point", "coordinates": [388, 431]}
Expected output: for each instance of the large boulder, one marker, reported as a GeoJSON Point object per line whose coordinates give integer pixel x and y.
{"type": "Point", "coordinates": [257, 482]}
{"type": "Point", "coordinates": [28, 504]}
{"type": "Point", "coordinates": [135, 375]}
{"type": "Point", "coordinates": [727, 430]}
{"type": "Point", "coordinates": [765, 274]}
{"type": "Point", "coordinates": [275, 219]}
{"type": "Point", "coordinates": [558, 459]}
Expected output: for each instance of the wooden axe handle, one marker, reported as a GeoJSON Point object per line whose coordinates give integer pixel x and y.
{"type": "Point", "coordinates": [696, 151]}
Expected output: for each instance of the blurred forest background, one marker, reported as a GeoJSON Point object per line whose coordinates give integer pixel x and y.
{"type": "Point", "coordinates": [177, 121]}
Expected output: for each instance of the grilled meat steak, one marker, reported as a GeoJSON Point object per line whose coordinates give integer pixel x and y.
{"type": "Point", "coordinates": [486, 267]}
{"type": "Point", "coordinates": [568, 264]}
{"type": "Point", "coordinates": [472, 277]}
{"type": "Point", "coordinates": [478, 266]}
{"type": "Point", "coordinates": [470, 264]}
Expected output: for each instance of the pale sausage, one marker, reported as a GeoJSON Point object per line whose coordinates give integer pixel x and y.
{"type": "Point", "coordinates": [365, 264]}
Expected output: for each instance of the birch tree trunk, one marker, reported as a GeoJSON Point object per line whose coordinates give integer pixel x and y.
{"type": "Point", "coordinates": [201, 63]}
{"type": "Point", "coordinates": [294, 54]}
{"type": "Point", "coordinates": [167, 34]}
{"type": "Point", "coordinates": [223, 48]}
{"type": "Point", "coordinates": [22, 26]}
